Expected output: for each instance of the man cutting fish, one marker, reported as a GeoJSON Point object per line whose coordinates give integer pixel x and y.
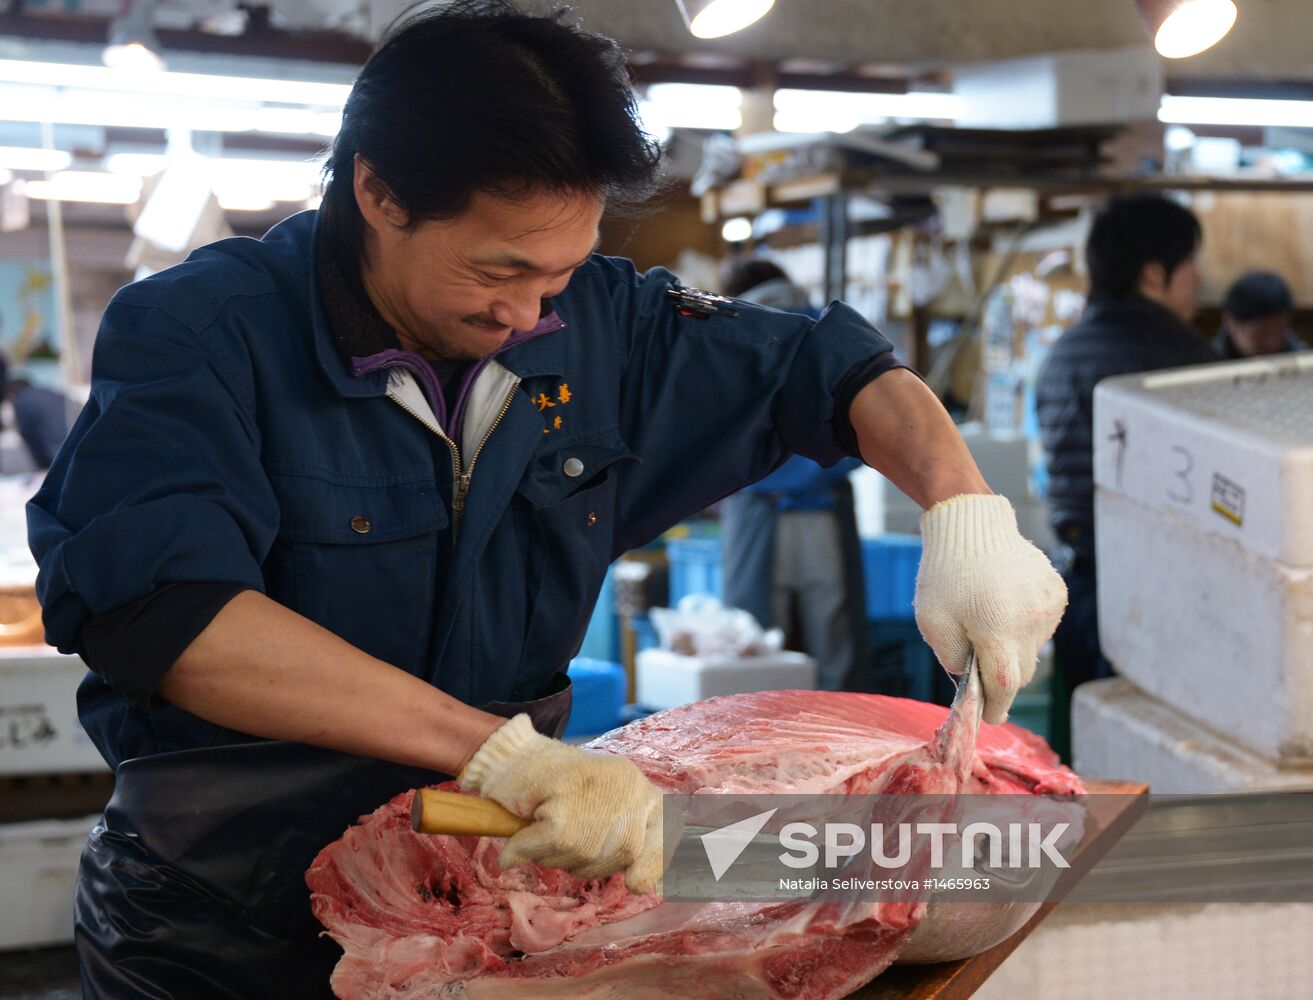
{"type": "Point", "coordinates": [342, 500]}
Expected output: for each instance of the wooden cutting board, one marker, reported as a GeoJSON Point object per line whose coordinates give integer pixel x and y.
{"type": "Point", "coordinates": [1107, 819]}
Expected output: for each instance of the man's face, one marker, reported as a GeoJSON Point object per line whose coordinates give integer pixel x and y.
{"type": "Point", "coordinates": [455, 289]}
{"type": "Point", "coordinates": [1262, 335]}
{"type": "Point", "coordinates": [1182, 293]}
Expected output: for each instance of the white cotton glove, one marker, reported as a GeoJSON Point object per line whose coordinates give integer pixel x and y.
{"type": "Point", "coordinates": [982, 586]}
{"type": "Point", "coordinates": [593, 813]}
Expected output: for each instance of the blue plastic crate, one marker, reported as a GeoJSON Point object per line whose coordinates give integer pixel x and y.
{"type": "Point", "coordinates": [645, 633]}
{"type": "Point", "coordinates": [598, 696]}
{"type": "Point", "coordinates": [695, 568]}
{"type": "Point", "coordinates": [900, 664]}
{"type": "Point", "coordinates": [889, 564]}
{"type": "Point", "coordinates": [602, 640]}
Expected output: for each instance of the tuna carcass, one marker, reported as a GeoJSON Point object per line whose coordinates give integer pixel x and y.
{"type": "Point", "coordinates": [432, 916]}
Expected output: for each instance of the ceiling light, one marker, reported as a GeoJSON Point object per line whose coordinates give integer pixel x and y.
{"type": "Point", "coordinates": [29, 158]}
{"type": "Point", "coordinates": [170, 84]}
{"type": "Point", "coordinates": [136, 164]}
{"type": "Point", "coordinates": [1236, 111]}
{"type": "Point", "coordinates": [243, 201]}
{"type": "Point", "coordinates": [111, 111]}
{"type": "Point", "coordinates": [82, 185]}
{"type": "Point", "coordinates": [132, 42]}
{"type": "Point", "coordinates": [841, 111]}
{"type": "Point", "coordinates": [1183, 28]}
{"type": "Point", "coordinates": [716, 18]}
{"type": "Point", "coordinates": [690, 105]}
{"type": "Point", "coordinates": [736, 230]}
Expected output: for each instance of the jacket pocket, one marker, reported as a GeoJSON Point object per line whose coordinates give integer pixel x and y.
{"type": "Point", "coordinates": [568, 500]}
{"type": "Point", "coordinates": [361, 559]}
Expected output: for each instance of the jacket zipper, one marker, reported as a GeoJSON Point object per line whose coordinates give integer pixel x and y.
{"type": "Point", "coordinates": [463, 478]}
{"type": "Point", "coordinates": [455, 467]}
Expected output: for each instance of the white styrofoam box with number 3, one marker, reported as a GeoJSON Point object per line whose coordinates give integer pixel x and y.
{"type": "Point", "coordinates": [1227, 445]}
{"type": "Point", "coordinates": [39, 728]}
{"type": "Point", "coordinates": [1204, 536]}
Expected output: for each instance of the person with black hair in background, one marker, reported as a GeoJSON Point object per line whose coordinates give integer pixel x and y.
{"type": "Point", "coordinates": [1256, 318]}
{"type": "Point", "coordinates": [789, 542]}
{"type": "Point", "coordinates": [40, 415]}
{"type": "Point", "coordinates": [1144, 290]}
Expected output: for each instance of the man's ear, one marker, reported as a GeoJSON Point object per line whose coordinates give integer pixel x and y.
{"type": "Point", "coordinates": [377, 206]}
{"type": "Point", "coordinates": [1153, 278]}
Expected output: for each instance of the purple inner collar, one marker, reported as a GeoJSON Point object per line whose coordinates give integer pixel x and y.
{"type": "Point", "coordinates": [428, 380]}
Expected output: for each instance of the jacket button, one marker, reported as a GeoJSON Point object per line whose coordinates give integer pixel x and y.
{"type": "Point", "coordinates": [360, 525]}
{"type": "Point", "coordinates": [573, 468]}
{"type": "Point", "coordinates": [592, 518]}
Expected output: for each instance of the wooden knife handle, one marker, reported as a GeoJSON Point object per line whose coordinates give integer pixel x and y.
{"type": "Point", "coordinates": [433, 811]}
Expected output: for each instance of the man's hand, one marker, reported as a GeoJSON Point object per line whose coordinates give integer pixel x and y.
{"type": "Point", "coordinates": [593, 813]}
{"type": "Point", "coordinates": [982, 586]}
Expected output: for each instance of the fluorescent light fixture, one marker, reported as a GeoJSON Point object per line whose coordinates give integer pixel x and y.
{"type": "Point", "coordinates": [218, 169]}
{"type": "Point", "coordinates": [717, 18]}
{"type": "Point", "coordinates": [736, 230]}
{"type": "Point", "coordinates": [68, 94]}
{"type": "Point", "coordinates": [132, 41]}
{"type": "Point", "coordinates": [690, 105]}
{"type": "Point", "coordinates": [204, 85]}
{"type": "Point", "coordinates": [82, 185]}
{"type": "Point", "coordinates": [136, 57]}
{"type": "Point", "coordinates": [1182, 28]}
{"type": "Point", "coordinates": [1235, 111]}
{"type": "Point", "coordinates": [238, 183]}
{"type": "Point", "coordinates": [841, 111]}
{"type": "Point", "coordinates": [136, 164]}
{"type": "Point", "coordinates": [33, 104]}
{"type": "Point", "coordinates": [29, 158]}
{"type": "Point", "coordinates": [243, 201]}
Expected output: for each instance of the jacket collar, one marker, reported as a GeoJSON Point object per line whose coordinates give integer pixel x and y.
{"type": "Point", "coordinates": [1134, 309]}
{"type": "Point", "coordinates": [338, 318]}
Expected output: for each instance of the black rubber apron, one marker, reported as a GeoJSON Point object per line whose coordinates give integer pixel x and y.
{"type": "Point", "coordinates": [192, 885]}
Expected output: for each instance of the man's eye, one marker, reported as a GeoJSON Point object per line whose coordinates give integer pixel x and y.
{"type": "Point", "coordinates": [495, 279]}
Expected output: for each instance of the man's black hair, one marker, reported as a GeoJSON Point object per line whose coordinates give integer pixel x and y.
{"type": "Point", "coordinates": [1135, 230]}
{"type": "Point", "coordinates": [742, 274]}
{"type": "Point", "coordinates": [1258, 294]}
{"type": "Point", "coordinates": [477, 96]}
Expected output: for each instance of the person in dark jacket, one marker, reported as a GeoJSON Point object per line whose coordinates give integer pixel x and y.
{"type": "Point", "coordinates": [1144, 289]}
{"type": "Point", "coordinates": [1256, 318]}
{"type": "Point", "coordinates": [40, 415]}
{"type": "Point", "coordinates": [789, 542]}
{"type": "Point", "coordinates": [343, 497]}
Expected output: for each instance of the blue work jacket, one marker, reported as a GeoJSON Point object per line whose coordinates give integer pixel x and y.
{"type": "Point", "coordinates": [228, 439]}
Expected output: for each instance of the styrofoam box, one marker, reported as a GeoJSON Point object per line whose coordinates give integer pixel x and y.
{"type": "Point", "coordinates": [667, 679]}
{"type": "Point", "coordinates": [38, 867]}
{"type": "Point", "coordinates": [1221, 634]}
{"type": "Point", "coordinates": [1121, 733]}
{"type": "Point", "coordinates": [1228, 446]}
{"type": "Point", "coordinates": [39, 728]}
{"type": "Point", "coordinates": [1184, 951]}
